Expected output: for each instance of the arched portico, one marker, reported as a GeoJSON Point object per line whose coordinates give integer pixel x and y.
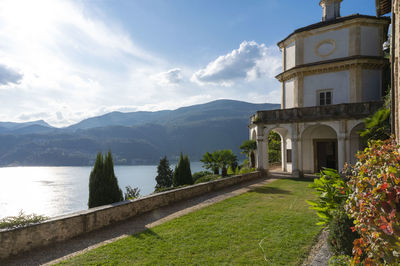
{"type": "Point", "coordinates": [356, 142]}
{"type": "Point", "coordinates": [319, 148]}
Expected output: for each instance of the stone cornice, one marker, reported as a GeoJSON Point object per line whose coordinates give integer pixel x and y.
{"type": "Point", "coordinates": [342, 22]}
{"type": "Point", "coordinates": [335, 65]}
{"type": "Point", "coordinates": [316, 113]}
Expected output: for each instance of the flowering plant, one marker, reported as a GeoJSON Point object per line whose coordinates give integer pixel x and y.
{"type": "Point", "coordinates": [374, 204]}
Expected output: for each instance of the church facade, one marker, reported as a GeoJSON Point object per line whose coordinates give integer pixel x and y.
{"type": "Point", "coordinates": [332, 78]}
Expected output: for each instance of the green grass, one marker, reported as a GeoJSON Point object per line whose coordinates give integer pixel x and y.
{"type": "Point", "coordinates": [226, 233]}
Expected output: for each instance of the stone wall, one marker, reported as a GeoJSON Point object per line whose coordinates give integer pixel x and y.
{"type": "Point", "coordinates": [396, 66]}
{"type": "Point", "coordinates": [13, 242]}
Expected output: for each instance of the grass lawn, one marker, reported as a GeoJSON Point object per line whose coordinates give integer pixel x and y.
{"type": "Point", "coordinates": [275, 217]}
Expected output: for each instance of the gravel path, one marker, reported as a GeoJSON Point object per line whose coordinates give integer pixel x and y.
{"type": "Point", "coordinates": [73, 247]}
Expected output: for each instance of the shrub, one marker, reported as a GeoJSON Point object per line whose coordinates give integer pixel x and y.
{"type": "Point", "coordinates": [246, 170]}
{"type": "Point", "coordinates": [200, 174]}
{"type": "Point", "coordinates": [182, 174]}
{"type": "Point", "coordinates": [207, 178]}
{"type": "Point", "coordinates": [341, 237]}
{"type": "Point", "coordinates": [332, 191]}
{"type": "Point", "coordinates": [340, 260]}
{"type": "Point", "coordinates": [21, 220]}
{"type": "Point", "coordinates": [132, 193]}
{"type": "Point", "coordinates": [103, 184]}
{"type": "Point", "coordinates": [164, 174]}
{"type": "Point", "coordinates": [375, 204]}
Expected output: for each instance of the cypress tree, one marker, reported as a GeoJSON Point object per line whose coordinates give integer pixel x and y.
{"type": "Point", "coordinates": [182, 174]}
{"type": "Point", "coordinates": [164, 174]}
{"type": "Point", "coordinates": [103, 184]}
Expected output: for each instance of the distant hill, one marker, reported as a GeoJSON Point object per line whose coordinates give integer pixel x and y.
{"type": "Point", "coordinates": [134, 138]}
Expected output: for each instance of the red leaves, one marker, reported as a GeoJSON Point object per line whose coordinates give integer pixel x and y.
{"type": "Point", "coordinates": [375, 203]}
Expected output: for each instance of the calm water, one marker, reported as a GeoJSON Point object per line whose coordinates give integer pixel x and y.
{"type": "Point", "coordinates": [53, 191]}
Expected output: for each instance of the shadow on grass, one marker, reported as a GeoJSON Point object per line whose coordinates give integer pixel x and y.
{"type": "Point", "coordinates": [146, 233]}
{"type": "Point", "coordinates": [270, 190]}
{"type": "Point", "coordinates": [302, 179]}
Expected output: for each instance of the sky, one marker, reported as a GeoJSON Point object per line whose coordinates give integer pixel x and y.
{"type": "Point", "coordinates": [63, 61]}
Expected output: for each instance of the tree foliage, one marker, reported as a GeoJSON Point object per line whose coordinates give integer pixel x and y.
{"type": "Point", "coordinates": [182, 174]}
{"type": "Point", "coordinates": [274, 147]}
{"type": "Point", "coordinates": [377, 126]}
{"type": "Point", "coordinates": [132, 193]}
{"type": "Point", "coordinates": [248, 146]}
{"type": "Point", "coordinates": [211, 161]}
{"type": "Point", "coordinates": [220, 159]}
{"type": "Point", "coordinates": [103, 184]}
{"type": "Point", "coordinates": [164, 174]}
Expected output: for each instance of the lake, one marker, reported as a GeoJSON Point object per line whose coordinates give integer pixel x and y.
{"type": "Point", "coordinates": [54, 191]}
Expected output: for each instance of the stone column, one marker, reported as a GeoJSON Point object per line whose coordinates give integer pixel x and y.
{"type": "Point", "coordinates": [341, 151]}
{"type": "Point", "coordinates": [283, 153]}
{"type": "Point", "coordinates": [295, 159]}
{"type": "Point", "coordinates": [262, 154]}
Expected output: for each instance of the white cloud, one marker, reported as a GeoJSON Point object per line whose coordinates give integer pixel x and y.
{"type": "Point", "coordinates": [249, 62]}
{"type": "Point", "coordinates": [9, 76]}
{"type": "Point", "coordinates": [171, 77]}
{"type": "Point", "coordinates": [66, 64]}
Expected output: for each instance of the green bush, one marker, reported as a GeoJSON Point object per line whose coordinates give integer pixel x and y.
{"type": "Point", "coordinates": [341, 237]}
{"type": "Point", "coordinates": [246, 170]}
{"type": "Point", "coordinates": [340, 260]}
{"type": "Point", "coordinates": [182, 174]}
{"type": "Point", "coordinates": [21, 220]}
{"type": "Point", "coordinates": [200, 174]}
{"type": "Point", "coordinates": [164, 174]}
{"type": "Point", "coordinates": [332, 191]}
{"type": "Point", "coordinates": [207, 178]}
{"type": "Point", "coordinates": [103, 184]}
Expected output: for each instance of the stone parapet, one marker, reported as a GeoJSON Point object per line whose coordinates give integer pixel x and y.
{"type": "Point", "coordinates": [13, 242]}
{"type": "Point", "coordinates": [317, 113]}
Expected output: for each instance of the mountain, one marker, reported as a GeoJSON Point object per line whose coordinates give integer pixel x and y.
{"type": "Point", "coordinates": [216, 110]}
{"type": "Point", "coordinates": [27, 127]}
{"type": "Point", "coordinates": [134, 138]}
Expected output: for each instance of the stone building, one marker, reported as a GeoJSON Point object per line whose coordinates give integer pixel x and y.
{"type": "Point", "coordinates": [331, 80]}
{"type": "Point", "coordinates": [383, 7]}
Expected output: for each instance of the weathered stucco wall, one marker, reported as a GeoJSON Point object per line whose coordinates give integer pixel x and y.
{"type": "Point", "coordinates": [371, 85]}
{"type": "Point", "coordinates": [290, 56]}
{"type": "Point", "coordinates": [62, 228]}
{"type": "Point", "coordinates": [370, 41]}
{"type": "Point", "coordinates": [338, 82]}
{"type": "Point", "coordinates": [289, 93]}
{"type": "Point", "coordinates": [339, 49]}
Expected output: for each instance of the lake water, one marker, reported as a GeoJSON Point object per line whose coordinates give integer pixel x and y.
{"type": "Point", "coordinates": [54, 191]}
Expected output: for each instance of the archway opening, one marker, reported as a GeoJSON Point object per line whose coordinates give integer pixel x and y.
{"type": "Point", "coordinates": [357, 143]}
{"type": "Point", "coordinates": [319, 149]}
{"type": "Point", "coordinates": [274, 151]}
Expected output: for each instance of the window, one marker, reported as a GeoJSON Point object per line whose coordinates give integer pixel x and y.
{"type": "Point", "coordinates": [325, 97]}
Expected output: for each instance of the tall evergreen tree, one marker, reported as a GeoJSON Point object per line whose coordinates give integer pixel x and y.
{"type": "Point", "coordinates": [164, 174]}
{"type": "Point", "coordinates": [103, 184]}
{"type": "Point", "coordinates": [182, 174]}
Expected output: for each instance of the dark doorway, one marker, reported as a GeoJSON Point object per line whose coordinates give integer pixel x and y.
{"type": "Point", "coordinates": [325, 154]}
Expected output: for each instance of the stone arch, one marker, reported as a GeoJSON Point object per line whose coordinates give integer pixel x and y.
{"type": "Point", "coordinates": [319, 148]}
{"type": "Point", "coordinates": [284, 131]}
{"type": "Point", "coordinates": [356, 142]}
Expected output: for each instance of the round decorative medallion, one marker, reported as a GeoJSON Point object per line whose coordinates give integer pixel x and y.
{"type": "Point", "coordinates": [325, 48]}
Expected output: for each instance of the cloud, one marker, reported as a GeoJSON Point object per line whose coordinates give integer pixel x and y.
{"type": "Point", "coordinates": [171, 77]}
{"type": "Point", "coordinates": [9, 76]}
{"type": "Point", "coordinates": [249, 62]}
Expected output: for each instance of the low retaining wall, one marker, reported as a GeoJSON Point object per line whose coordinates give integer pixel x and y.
{"type": "Point", "coordinates": [13, 242]}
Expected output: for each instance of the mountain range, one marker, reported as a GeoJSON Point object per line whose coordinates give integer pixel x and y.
{"type": "Point", "coordinates": [134, 137]}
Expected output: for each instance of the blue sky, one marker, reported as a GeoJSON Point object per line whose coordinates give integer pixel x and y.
{"type": "Point", "coordinates": [63, 61]}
